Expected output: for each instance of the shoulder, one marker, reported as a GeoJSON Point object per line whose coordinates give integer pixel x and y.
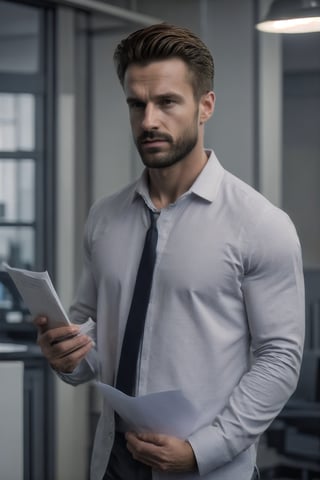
{"type": "Point", "coordinates": [107, 209]}
{"type": "Point", "coordinates": [253, 209]}
{"type": "Point", "coordinates": [112, 205]}
{"type": "Point", "coordinates": [244, 197]}
{"type": "Point", "coordinates": [267, 231]}
{"type": "Point", "coordinates": [122, 196]}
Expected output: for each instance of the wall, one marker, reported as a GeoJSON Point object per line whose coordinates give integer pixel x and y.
{"type": "Point", "coordinates": [111, 135]}
{"type": "Point", "coordinates": [230, 35]}
{"type": "Point", "coordinates": [301, 141]}
{"type": "Point", "coordinates": [71, 413]}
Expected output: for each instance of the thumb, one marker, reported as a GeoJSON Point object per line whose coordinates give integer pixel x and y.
{"type": "Point", "coordinates": [41, 323]}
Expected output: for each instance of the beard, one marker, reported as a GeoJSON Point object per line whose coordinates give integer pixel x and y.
{"type": "Point", "coordinates": [178, 150]}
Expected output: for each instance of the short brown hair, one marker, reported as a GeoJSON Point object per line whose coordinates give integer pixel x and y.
{"type": "Point", "coordinates": [163, 41]}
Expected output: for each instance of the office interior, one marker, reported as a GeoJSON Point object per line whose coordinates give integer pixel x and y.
{"type": "Point", "coordinates": [65, 141]}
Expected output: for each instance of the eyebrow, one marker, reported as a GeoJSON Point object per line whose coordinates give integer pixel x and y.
{"type": "Point", "coordinates": [162, 96]}
{"type": "Point", "coordinates": [133, 99]}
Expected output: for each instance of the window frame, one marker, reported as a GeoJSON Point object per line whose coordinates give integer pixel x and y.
{"type": "Point", "coordinates": [41, 85]}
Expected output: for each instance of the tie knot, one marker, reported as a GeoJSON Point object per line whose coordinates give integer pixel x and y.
{"type": "Point", "coordinates": [153, 218]}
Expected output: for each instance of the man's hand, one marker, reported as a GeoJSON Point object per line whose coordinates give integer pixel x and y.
{"type": "Point", "coordinates": [161, 452]}
{"type": "Point", "coordinates": [64, 347]}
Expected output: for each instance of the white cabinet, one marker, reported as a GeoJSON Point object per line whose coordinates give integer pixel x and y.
{"type": "Point", "coordinates": [11, 420]}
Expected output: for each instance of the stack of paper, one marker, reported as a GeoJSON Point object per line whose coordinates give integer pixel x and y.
{"type": "Point", "coordinates": [39, 295]}
{"type": "Point", "coordinates": [41, 298]}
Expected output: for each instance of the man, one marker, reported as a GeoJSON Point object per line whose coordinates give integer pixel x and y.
{"type": "Point", "coordinates": [225, 318]}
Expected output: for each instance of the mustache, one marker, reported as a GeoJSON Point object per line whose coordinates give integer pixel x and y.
{"type": "Point", "coordinates": [152, 135]}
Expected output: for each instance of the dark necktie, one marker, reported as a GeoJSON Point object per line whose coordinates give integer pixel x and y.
{"type": "Point", "coordinates": [135, 324]}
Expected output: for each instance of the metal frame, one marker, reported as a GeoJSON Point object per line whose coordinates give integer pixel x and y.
{"type": "Point", "coordinates": [42, 86]}
{"type": "Point", "coordinates": [113, 11]}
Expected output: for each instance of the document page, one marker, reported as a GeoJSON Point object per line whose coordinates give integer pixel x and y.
{"type": "Point", "coordinates": [168, 412]}
{"type": "Point", "coordinates": [39, 295]}
{"type": "Point", "coordinates": [41, 298]}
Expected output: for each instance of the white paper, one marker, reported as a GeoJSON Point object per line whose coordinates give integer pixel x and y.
{"type": "Point", "coordinates": [40, 297]}
{"type": "Point", "coordinates": [168, 412]}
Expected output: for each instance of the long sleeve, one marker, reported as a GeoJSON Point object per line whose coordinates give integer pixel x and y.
{"type": "Point", "coordinates": [273, 293]}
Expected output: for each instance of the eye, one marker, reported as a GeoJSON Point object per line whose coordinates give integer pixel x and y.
{"type": "Point", "coordinates": [167, 102]}
{"type": "Point", "coordinates": [136, 105]}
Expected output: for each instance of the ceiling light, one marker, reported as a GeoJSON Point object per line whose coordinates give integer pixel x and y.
{"type": "Point", "coordinates": [292, 16]}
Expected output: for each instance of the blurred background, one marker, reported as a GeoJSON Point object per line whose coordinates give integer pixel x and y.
{"type": "Point", "coordinates": [65, 141]}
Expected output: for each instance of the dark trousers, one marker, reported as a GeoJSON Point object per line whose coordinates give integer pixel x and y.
{"type": "Point", "coordinates": [123, 467]}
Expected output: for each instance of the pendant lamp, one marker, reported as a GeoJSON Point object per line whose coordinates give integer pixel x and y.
{"type": "Point", "coordinates": [292, 16]}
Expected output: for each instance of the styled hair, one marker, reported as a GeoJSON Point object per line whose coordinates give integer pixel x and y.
{"type": "Point", "coordinates": [163, 41]}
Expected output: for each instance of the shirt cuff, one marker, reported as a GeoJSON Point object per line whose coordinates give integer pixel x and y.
{"type": "Point", "coordinates": [210, 449]}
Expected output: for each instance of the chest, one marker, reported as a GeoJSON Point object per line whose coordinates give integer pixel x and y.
{"type": "Point", "coordinates": [198, 250]}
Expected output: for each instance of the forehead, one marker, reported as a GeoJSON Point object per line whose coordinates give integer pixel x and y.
{"type": "Point", "coordinates": [171, 74]}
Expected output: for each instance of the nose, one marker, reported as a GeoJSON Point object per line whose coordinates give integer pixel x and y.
{"type": "Point", "coordinates": [150, 117]}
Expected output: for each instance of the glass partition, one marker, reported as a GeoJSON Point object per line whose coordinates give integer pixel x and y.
{"type": "Point", "coordinates": [17, 190]}
{"type": "Point", "coordinates": [17, 122]}
{"type": "Point", "coordinates": [26, 139]}
{"type": "Point", "coordinates": [23, 97]}
{"type": "Point", "coordinates": [17, 246]}
{"type": "Point", "coordinates": [19, 38]}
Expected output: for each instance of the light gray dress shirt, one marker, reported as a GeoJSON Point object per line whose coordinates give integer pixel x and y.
{"type": "Point", "coordinates": [226, 317]}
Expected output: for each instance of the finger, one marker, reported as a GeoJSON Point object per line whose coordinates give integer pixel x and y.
{"type": "Point", "coordinates": [68, 362]}
{"type": "Point", "coordinates": [41, 323]}
{"type": "Point", "coordinates": [59, 349]}
{"type": "Point", "coordinates": [148, 437]}
{"type": "Point", "coordinates": [63, 338]}
{"type": "Point", "coordinates": [54, 351]}
{"type": "Point", "coordinates": [154, 438]}
{"type": "Point", "coordinates": [56, 335]}
{"type": "Point", "coordinates": [143, 451]}
{"type": "Point", "coordinates": [72, 347]}
{"type": "Point", "coordinates": [147, 457]}
{"type": "Point", "coordinates": [130, 436]}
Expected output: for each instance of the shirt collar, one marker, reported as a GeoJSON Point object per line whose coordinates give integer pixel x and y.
{"type": "Point", "coordinates": [142, 189]}
{"type": "Point", "coordinates": [205, 186]}
{"type": "Point", "coordinates": [208, 181]}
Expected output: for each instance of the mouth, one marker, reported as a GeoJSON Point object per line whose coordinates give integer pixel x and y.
{"type": "Point", "coordinates": [154, 143]}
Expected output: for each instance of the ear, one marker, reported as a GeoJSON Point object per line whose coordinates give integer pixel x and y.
{"type": "Point", "coordinates": [206, 107]}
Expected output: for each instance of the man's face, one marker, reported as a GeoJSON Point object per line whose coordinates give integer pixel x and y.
{"type": "Point", "coordinates": [163, 111]}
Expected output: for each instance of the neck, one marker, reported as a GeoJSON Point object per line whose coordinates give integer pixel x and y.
{"type": "Point", "coordinates": [166, 185]}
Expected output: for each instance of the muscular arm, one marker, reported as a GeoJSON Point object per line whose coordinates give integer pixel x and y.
{"type": "Point", "coordinates": [273, 293]}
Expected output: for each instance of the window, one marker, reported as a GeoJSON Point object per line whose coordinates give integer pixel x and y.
{"type": "Point", "coordinates": [24, 161]}
{"type": "Point", "coordinates": [26, 119]}
{"type": "Point", "coordinates": [17, 179]}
